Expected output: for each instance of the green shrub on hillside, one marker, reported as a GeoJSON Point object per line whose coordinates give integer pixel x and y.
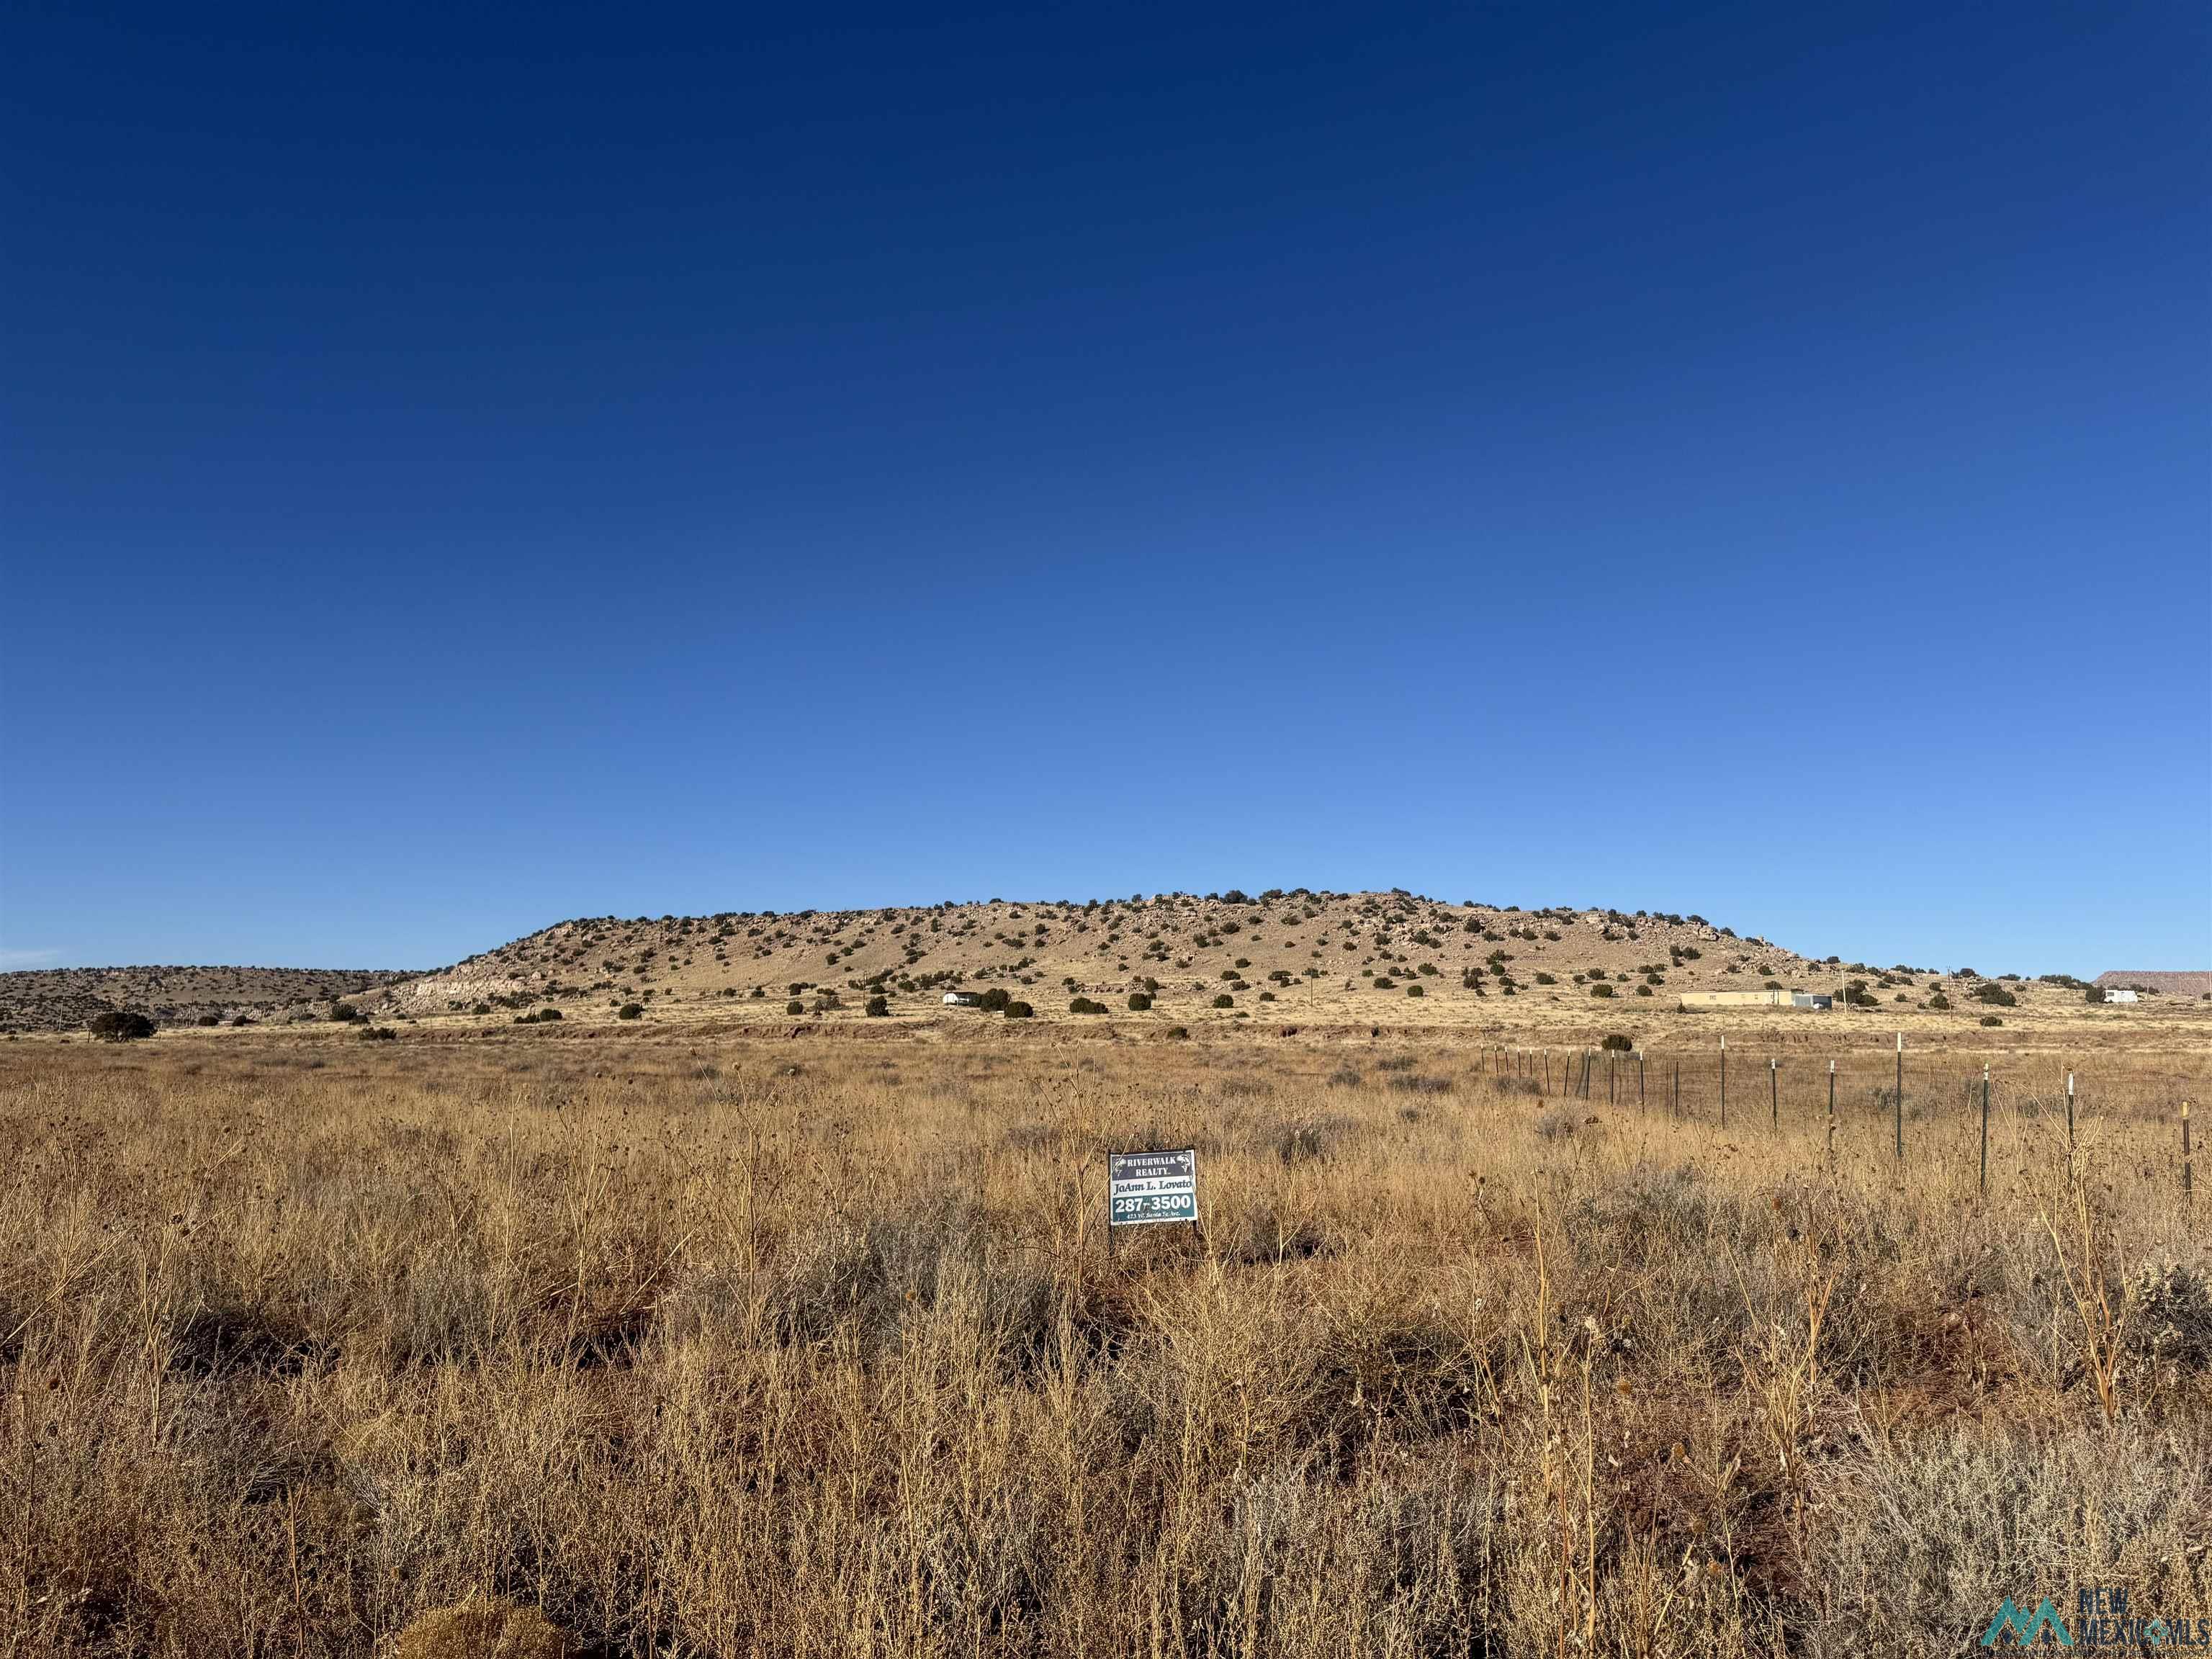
{"type": "Point", "coordinates": [121, 1025]}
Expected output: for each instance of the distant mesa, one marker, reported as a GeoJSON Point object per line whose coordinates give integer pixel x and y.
{"type": "Point", "coordinates": [2168, 982]}
{"type": "Point", "coordinates": [1355, 958]}
{"type": "Point", "coordinates": [71, 999]}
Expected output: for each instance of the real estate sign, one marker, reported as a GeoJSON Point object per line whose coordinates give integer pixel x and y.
{"type": "Point", "coordinates": [1142, 1187]}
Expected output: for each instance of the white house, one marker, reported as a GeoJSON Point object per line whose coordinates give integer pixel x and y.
{"type": "Point", "coordinates": [2119, 995]}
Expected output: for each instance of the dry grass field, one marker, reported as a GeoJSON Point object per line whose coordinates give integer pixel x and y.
{"type": "Point", "coordinates": [660, 1342]}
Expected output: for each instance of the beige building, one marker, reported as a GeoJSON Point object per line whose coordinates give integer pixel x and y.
{"type": "Point", "coordinates": [1692, 1001]}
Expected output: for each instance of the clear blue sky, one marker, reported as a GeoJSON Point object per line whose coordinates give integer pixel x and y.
{"type": "Point", "coordinates": [459, 470]}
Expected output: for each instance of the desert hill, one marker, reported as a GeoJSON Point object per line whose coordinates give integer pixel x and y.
{"type": "Point", "coordinates": [1392, 957]}
{"type": "Point", "coordinates": [68, 999]}
{"type": "Point", "coordinates": [2160, 982]}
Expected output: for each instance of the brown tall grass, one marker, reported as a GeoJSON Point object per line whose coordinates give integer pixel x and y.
{"type": "Point", "coordinates": [815, 1348]}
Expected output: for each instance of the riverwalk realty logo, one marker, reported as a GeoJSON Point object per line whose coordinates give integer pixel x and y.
{"type": "Point", "coordinates": [2102, 1621]}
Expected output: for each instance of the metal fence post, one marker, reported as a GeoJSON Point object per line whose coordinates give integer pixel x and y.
{"type": "Point", "coordinates": [1985, 1128]}
{"type": "Point", "coordinates": [1724, 1082]}
{"type": "Point", "coordinates": [1900, 1096]}
{"type": "Point", "coordinates": [1831, 1111]}
{"type": "Point", "coordinates": [1774, 1091]}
